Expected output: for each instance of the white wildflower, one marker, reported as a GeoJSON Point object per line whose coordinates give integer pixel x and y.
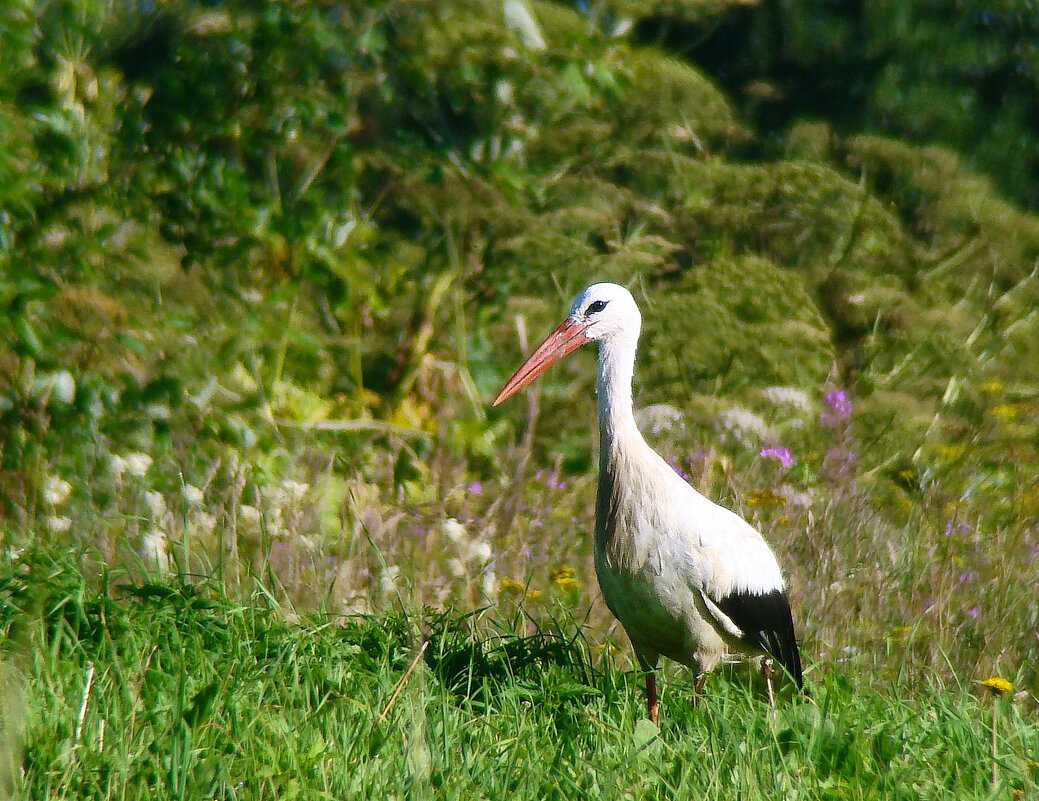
{"type": "Point", "coordinates": [118, 465]}
{"type": "Point", "coordinates": [137, 464]}
{"type": "Point", "coordinates": [454, 530]}
{"type": "Point", "coordinates": [158, 411]}
{"type": "Point", "coordinates": [57, 524]}
{"type": "Point", "coordinates": [489, 585]}
{"type": "Point", "coordinates": [156, 503]}
{"type": "Point", "coordinates": [56, 491]}
{"type": "Point", "coordinates": [275, 496]}
{"type": "Point", "coordinates": [249, 518]}
{"type": "Point", "coordinates": [63, 387]}
{"type": "Point", "coordinates": [505, 92]}
{"type": "Point", "coordinates": [456, 567]}
{"type": "Point", "coordinates": [660, 417]}
{"type": "Point", "coordinates": [295, 490]}
{"type": "Point", "coordinates": [154, 550]}
{"type": "Point", "coordinates": [521, 22]}
{"type": "Point", "coordinates": [481, 552]}
{"type": "Point", "coordinates": [274, 523]}
{"type": "Point", "coordinates": [742, 421]}
{"type": "Point", "coordinates": [388, 579]}
{"type": "Point", "coordinates": [796, 497]}
{"type": "Point", "coordinates": [788, 396]}
{"type": "Point", "coordinates": [204, 523]}
{"type": "Point", "coordinates": [193, 495]}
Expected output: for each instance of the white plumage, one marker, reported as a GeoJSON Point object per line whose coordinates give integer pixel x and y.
{"type": "Point", "coordinates": [687, 578]}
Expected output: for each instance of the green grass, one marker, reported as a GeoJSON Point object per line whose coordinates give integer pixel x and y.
{"type": "Point", "coordinates": [174, 691]}
{"type": "Point", "coordinates": [262, 270]}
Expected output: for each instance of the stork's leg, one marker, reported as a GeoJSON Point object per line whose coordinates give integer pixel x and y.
{"type": "Point", "coordinates": [651, 696]}
{"type": "Point", "coordinates": [698, 685]}
{"type": "Point", "coordinates": [768, 670]}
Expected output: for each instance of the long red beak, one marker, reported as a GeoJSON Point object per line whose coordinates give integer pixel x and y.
{"type": "Point", "coordinates": [565, 339]}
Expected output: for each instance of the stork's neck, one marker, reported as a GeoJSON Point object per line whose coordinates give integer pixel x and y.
{"type": "Point", "coordinates": [616, 415]}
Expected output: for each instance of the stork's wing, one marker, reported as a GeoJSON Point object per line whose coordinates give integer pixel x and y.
{"type": "Point", "coordinates": [735, 571]}
{"type": "Point", "coordinates": [765, 623]}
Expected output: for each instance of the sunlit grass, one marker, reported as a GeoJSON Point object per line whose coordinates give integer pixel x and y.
{"type": "Point", "coordinates": [167, 691]}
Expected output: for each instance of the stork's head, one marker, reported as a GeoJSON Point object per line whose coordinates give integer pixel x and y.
{"type": "Point", "coordinates": [604, 313]}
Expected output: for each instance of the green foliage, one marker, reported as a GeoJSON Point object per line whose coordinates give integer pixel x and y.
{"type": "Point", "coordinates": [172, 691]}
{"type": "Point", "coordinates": [961, 74]}
{"type": "Point", "coordinates": [774, 334]}
{"type": "Point", "coordinates": [262, 269]}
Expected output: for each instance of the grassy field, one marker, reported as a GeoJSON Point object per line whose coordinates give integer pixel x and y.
{"type": "Point", "coordinates": [163, 690]}
{"type": "Point", "coordinates": [263, 268]}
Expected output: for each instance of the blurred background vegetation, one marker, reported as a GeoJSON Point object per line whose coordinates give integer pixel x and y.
{"type": "Point", "coordinates": [263, 265]}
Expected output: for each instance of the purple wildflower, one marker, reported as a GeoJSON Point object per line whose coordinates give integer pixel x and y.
{"type": "Point", "coordinates": [476, 488]}
{"type": "Point", "coordinates": [957, 528]}
{"type": "Point", "coordinates": [678, 468]}
{"type": "Point", "coordinates": [840, 408]}
{"type": "Point", "coordinates": [782, 455]}
{"type": "Point", "coordinates": [974, 612]}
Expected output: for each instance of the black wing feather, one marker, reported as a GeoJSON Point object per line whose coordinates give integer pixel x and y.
{"type": "Point", "coordinates": [767, 625]}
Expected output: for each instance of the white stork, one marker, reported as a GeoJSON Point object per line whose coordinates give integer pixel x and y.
{"type": "Point", "coordinates": [687, 578]}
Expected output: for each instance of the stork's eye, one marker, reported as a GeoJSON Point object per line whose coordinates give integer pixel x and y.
{"type": "Point", "coordinates": [595, 307]}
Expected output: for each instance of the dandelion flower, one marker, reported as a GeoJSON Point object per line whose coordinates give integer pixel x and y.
{"type": "Point", "coordinates": [1004, 412]}
{"type": "Point", "coordinates": [765, 498]}
{"type": "Point", "coordinates": [998, 685]}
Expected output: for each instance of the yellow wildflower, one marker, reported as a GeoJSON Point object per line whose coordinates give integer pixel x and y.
{"type": "Point", "coordinates": [999, 686]}
{"type": "Point", "coordinates": [568, 584]}
{"type": "Point", "coordinates": [951, 452]}
{"type": "Point", "coordinates": [510, 586]}
{"type": "Point", "coordinates": [992, 386]}
{"type": "Point", "coordinates": [561, 574]}
{"type": "Point", "coordinates": [1005, 412]}
{"type": "Point", "coordinates": [533, 595]}
{"type": "Point", "coordinates": [765, 498]}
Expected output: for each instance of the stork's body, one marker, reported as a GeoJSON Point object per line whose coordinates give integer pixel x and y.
{"type": "Point", "coordinates": [688, 579]}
